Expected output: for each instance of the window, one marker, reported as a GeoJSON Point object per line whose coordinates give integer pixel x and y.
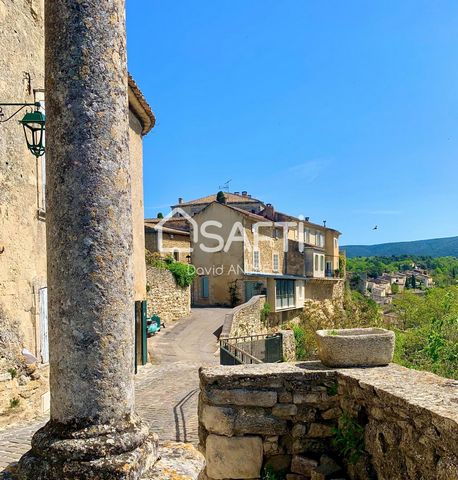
{"type": "Point", "coordinates": [322, 263]}
{"type": "Point", "coordinates": [275, 262]}
{"type": "Point", "coordinates": [319, 239]}
{"type": "Point", "coordinates": [256, 260]}
{"type": "Point", "coordinates": [285, 293]}
{"type": "Point", "coordinates": [335, 243]}
{"type": "Point", "coordinates": [317, 260]}
{"type": "Point", "coordinates": [176, 255]}
{"type": "Point", "coordinates": [204, 287]}
{"type": "Point", "coordinates": [307, 235]}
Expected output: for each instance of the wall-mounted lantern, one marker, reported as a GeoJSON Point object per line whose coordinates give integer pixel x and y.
{"type": "Point", "coordinates": [33, 124]}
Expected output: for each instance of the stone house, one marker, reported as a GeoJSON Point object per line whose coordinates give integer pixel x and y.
{"type": "Point", "coordinates": [23, 286]}
{"type": "Point", "coordinates": [241, 200]}
{"type": "Point", "coordinates": [241, 270]}
{"type": "Point", "coordinates": [175, 238]}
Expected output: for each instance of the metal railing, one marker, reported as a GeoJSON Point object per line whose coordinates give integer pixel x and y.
{"type": "Point", "coordinates": [251, 349]}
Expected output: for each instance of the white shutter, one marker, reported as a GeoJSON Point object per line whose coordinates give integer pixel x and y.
{"type": "Point", "coordinates": [44, 342]}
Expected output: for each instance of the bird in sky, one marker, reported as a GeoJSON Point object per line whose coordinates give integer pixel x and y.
{"type": "Point", "coordinates": [375, 228]}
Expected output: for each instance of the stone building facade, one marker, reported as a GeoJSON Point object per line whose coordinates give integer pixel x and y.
{"type": "Point", "coordinates": [23, 285]}
{"type": "Point", "coordinates": [283, 275]}
{"type": "Point", "coordinates": [174, 239]}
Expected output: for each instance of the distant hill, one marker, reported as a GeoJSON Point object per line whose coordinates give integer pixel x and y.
{"type": "Point", "coordinates": [436, 247]}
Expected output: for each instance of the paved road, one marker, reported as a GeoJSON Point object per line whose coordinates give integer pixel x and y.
{"type": "Point", "coordinates": [166, 391]}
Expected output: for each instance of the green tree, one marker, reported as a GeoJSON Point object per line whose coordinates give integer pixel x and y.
{"type": "Point", "coordinates": [220, 197]}
{"type": "Point", "coordinates": [160, 215]}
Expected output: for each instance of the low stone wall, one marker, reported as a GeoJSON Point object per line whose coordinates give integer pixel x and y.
{"type": "Point", "coordinates": [165, 298]}
{"type": "Point", "coordinates": [245, 319]}
{"type": "Point", "coordinates": [385, 423]}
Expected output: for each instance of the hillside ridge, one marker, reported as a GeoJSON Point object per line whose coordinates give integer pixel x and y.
{"type": "Point", "coordinates": [435, 247]}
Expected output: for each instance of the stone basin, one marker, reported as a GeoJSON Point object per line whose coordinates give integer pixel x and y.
{"type": "Point", "coordinates": [355, 347]}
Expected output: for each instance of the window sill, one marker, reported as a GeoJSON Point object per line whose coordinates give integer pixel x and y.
{"type": "Point", "coordinates": [41, 214]}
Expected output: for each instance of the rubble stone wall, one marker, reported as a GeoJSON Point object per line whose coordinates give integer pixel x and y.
{"type": "Point", "coordinates": [298, 418]}
{"type": "Point", "coordinates": [165, 298]}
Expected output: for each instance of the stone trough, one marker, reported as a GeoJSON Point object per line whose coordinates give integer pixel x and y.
{"type": "Point", "coordinates": [355, 347]}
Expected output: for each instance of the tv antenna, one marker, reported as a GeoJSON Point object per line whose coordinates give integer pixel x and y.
{"type": "Point", "coordinates": [225, 186]}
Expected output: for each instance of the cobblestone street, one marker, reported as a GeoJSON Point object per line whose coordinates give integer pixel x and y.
{"type": "Point", "coordinates": [166, 391]}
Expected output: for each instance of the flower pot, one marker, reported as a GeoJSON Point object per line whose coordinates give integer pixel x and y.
{"type": "Point", "coordinates": [355, 347]}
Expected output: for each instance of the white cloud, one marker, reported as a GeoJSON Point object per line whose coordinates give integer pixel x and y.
{"type": "Point", "coordinates": [308, 171]}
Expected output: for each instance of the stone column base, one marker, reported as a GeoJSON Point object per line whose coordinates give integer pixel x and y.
{"type": "Point", "coordinates": [99, 452]}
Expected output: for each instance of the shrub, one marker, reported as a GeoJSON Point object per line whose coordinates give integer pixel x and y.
{"type": "Point", "coordinates": [14, 402]}
{"type": "Point", "coordinates": [349, 438]}
{"type": "Point", "coordinates": [265, 312]}
{"type": "Point", "coordinates": [234, 297]}
{"type": "Point", "coordinates": [184, 274]}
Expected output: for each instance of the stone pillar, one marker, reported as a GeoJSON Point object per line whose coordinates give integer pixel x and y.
{"type": "Point", "coordinates": [93, 431]}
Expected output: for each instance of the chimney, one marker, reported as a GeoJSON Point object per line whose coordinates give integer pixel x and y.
{"type": "Point", "coordinates": [236, 193]}
{"type": "Point", "coordinates": [269, 212]}
{"type": "Point", "coordinates": [244, 193]}
{"type": "Point", "coordinates": [180, 200]}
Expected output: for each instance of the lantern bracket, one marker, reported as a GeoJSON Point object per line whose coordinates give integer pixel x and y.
{"type": "Point", "coordinates": [21, 105]}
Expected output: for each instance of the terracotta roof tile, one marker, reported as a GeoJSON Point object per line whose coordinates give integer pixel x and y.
{"type": "Point", "coordinates": [230, 198]}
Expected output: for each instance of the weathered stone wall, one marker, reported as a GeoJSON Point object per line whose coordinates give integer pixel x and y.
{"type": "Point", "coordinates": [288, 416]}
{"type": "Point", "coordinates": [24, 392]}
{"type": "Point", "coordinates": [325, 289]}
{"type": "Point", "coordinates": [165, 297]}
{"type": "Point", "coordinates": [245, 319]}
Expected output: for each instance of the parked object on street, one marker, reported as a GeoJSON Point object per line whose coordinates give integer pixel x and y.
{"type": "Point", "coordinates": [154, 325]}
{"type": "Point", "coordinates": [352, 347]}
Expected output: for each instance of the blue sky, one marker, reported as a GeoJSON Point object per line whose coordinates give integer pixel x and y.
{"type": "Point", "coordinates": [345, 111]}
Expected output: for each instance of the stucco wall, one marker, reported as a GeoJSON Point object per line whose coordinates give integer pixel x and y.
{"type": "Point", "coordinates": [165, 297]}
{"type": "Point", "coordinates": [138, 213]}
{"type": "Point", "coordinates": [289, 415]}
{"type": "Point", "coordinates": [22, 233]}
{"type": "Point", "coordinates": [221, 267]}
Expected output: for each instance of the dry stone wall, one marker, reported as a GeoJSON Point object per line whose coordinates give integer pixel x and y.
{"type": "Point", "coordinates": [245, 319]}
{"type": "Point", "coordinates": [385, 423]}
{"type": "Point", "coordinates": [165, 298]}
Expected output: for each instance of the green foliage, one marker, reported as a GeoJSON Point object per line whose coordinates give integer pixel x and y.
{"type": "Point", "coordinates": [342, 265]}
{"type": "Point", "coordinates": [234, 296]}
{"type": "Point", "coordinates": [220, 197]}
{"type": "Point", "coordinates": [357, 311]}
{"type": "Point", "coordinates": [444, 270]}
{"type": "Point", "coordinates": [394, 288]}
{"type": "Point", "coordinates": [160, 215]}
{"type": "Point", "coordinates": [183, 273]}
{"type": "Point", "coordinates": [269, 473]}
{"type": "Point", "coordinates": [427, 331]}
{"type": "Point", "coordinates": [265, 312]}
{"type": "Point", "coordinates": [349, 438]}
{"type": "Point", "coordinates": [299, 337]}
{"type": "Point", "coordinates": [332, 390]}
{"type": "Point", "coordinates": [12, 372]}
{"type": "Point", "coordinates": [14, 402]}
